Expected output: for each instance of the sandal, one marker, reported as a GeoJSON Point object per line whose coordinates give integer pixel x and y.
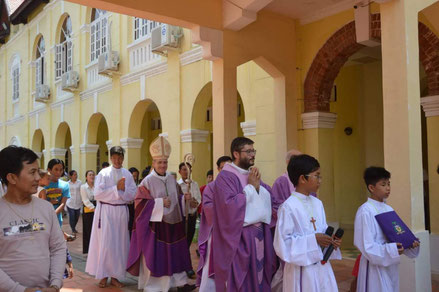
{"type": "Point", "coordinates": [115, 282]}
{"type": "Point", "coordinates": [103, 283]}
{"type": "Point", "coordinates": [70, 238]}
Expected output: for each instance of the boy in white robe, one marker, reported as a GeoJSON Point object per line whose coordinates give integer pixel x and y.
{"type": "Point", "coordinates": [299, 237]}
{"type": "Point", "coordinates": [379, 259]}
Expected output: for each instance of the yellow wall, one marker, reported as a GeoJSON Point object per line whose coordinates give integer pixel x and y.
{"type": "Point", "coordinates": [359, 106]}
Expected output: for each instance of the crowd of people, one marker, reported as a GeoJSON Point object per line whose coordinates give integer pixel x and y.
{"type": "Point", "coordinates": [252, 236]}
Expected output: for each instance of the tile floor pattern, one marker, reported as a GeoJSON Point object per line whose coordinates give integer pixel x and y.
{"type": "Point", "coordinates": [83, 282]}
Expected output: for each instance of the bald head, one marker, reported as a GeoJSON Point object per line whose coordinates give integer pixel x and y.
{"type": "Point", "coordinates": [291, 153]}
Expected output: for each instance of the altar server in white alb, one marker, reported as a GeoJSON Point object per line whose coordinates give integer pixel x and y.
{"type": "Point", "coordinates": [300, 232]}
{"type": "Point", "coordinates": [110, 241]}
{"type": "Point", "coordinates": [379, 259]}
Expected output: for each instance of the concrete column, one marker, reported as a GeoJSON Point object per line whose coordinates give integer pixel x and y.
{"type": "Point", "coordinates": [318, 137]}
{"type": "Point", "coordinates": [88, 157]}
{"type": "Point", "coordinates": [225, 111]}
{"type": "Point", "coordinates": [132, 148]}
{"type": "Point", "coordinates": [402, 132]}
{"type": "Point", "coordinates": [194, 141]}
{"type": "Point", "coordinates": [59, 153]}
{"type": "Point", "coordinates": [430, 105]}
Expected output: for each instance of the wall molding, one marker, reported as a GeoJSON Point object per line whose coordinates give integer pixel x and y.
{"type": "Point", "coordinates": [131, 143]}
{"type": "Point", "coordinates": [104, 87]}
{"type": "Point", "coordinates": [319, 120]}
{"type": "Point", "coordinates": [61, 102]}
{"type": "Point", "coordinates": [430, 105]}
{"type": "Point", "coordinates": [58, 152]}
{"type": "Point", "coordinates": [191, 56]}
{"type": "Point", "coordinates": [149, 71]}
{"type": "Point", "coordinates": [194, 135]}
{"type": "Point", "coordinates": [88, 148]}
{"type": "Point", "coordinates": [14, 120]}
{"type": "Point", "coordinates": [249, 128]}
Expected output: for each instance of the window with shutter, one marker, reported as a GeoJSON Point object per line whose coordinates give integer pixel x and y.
{"type": "Point", "coordinates": [58, 60]}
{"type": "Point", "coordinates": [143, 27]}
{"type": "Point", "coordinates": [69, 45]}
{"type": "Point", "coordinates": [39, 62]}
{"type": "Point", "coordinates": [98, 33]}
{"type": "Point", "coordinates": [64, 50]}
{"type": "Point", "coordinates": [15, 83]}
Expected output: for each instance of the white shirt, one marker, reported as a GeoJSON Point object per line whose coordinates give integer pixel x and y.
{"type": "Point", "coordinates": [195, 192]}
{"type": "Point", "coordinates": [75, 201]}
{"type": "Point", "coordinates": [87, 195]}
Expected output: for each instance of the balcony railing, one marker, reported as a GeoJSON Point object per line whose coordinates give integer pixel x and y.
{"type": "Point", "coordinates": [93, 77]}
{"type": "Point", "coordinates": [141, 55]}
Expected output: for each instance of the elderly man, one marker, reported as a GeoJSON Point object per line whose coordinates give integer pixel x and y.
{"type": "Point", "coordinates": [158, 253]}
{"type": "Point", "coordinates": [32, 246]}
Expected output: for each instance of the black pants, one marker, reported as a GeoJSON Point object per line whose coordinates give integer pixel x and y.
{"type": "Point", "coordinates": [192, 221]}
{"type": "Point", "coordinates": [131, 218]}
{"type": "Point", "coordinates": [73, 217]}
{"type": "Point", "coordinates": [87, 223]}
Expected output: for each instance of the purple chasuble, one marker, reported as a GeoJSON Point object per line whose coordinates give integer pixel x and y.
{"type": "Point", "coordinates": [206, 224]}
{"type": "Point", "coordinates": [282, 190]}
{"type": "Point", "coordinates": [243, 256]}
{"type": "Point", "coordinates": [162, 245]}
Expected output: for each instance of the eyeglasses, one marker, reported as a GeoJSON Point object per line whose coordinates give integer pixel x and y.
{"type": "Point", "coordinates": [318, 177]}
{"type": "Point", "coordinates": [250, 151]}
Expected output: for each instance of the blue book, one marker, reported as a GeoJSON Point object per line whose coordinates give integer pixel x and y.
{"type": "Point", "coordinates": [395, 229]}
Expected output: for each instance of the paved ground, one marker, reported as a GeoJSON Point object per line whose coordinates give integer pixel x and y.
{"type": "Point", "coordinates": [82, 282]}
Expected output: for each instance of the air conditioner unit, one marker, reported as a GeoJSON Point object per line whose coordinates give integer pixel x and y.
{"type": "Point", "coordinates": [42, 93]}
{"type": "Point", "coordinates": [70, 80]}
{"type": "Point", "coordinates": [108, 62]}
{"type": "Point", "coordinates": [165, 37]}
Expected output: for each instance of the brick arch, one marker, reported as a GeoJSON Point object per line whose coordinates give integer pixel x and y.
{"type": "Point", "coordinates": [342, 44]}
{"type": "Point", "coordinates": [429, 57]}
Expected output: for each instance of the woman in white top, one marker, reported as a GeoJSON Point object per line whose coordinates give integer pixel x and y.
{"type": "Point", "coordinates": [74, 203]}
{"type": "Point", "coordinates": [87, 196]}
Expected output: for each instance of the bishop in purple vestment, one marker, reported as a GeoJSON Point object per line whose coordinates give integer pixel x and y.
{"type": "Point", "coordinates": [158, 253]}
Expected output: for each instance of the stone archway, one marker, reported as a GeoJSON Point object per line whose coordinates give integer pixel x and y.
{"type": "Point", "coordinates": [144, 126]}
{"type": "Point", "coordinates": [342, 44]}
{"type": "Point", "coordinates": [63, 144]}
{"type": "Point", "coordinates": [38, 145]}
{"type": "Point", "coordinates": [200, 135]}
{"type": "Point", "coordinates": [95, 148]}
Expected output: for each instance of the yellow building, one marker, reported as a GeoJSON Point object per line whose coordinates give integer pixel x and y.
{"type": "Point", "coordinates": [339, 82]}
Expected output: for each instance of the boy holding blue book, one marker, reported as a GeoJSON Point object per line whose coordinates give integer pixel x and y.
{"type": "Point", "coordinates": [380, 258]}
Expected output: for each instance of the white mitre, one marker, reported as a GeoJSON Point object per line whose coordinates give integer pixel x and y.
{"type": "Point", "coordinates": [160, 148]}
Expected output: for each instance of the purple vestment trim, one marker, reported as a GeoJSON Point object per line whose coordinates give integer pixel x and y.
{"type": "Point", "coordinates": [163, 245]}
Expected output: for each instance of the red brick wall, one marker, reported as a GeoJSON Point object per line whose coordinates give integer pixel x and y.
{"type": "Point", "coordinates": [342, 44]}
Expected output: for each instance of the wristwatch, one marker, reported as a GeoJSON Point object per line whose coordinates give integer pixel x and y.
{"type": "Point", "coordinates": [56, 288]}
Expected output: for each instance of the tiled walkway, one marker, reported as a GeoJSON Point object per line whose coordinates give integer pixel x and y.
{"type": "Point", "coordinates": [83, 282]}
